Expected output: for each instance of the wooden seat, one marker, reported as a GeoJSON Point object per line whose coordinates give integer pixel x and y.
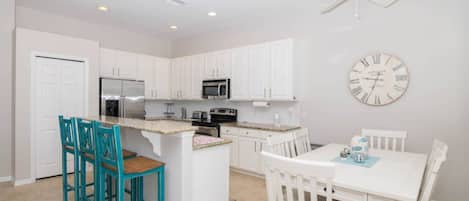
{"type": "Point", "coordinates": [125, 153]}
{"type": "Point", "coordinates": [138, 164]}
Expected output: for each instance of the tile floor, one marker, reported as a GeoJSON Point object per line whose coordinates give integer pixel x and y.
{"type": "Point", "coordinates": [242, 188]}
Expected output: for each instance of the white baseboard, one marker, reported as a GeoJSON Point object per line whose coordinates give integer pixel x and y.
{"type": "Point", "coordinates": [5, 179]}
{"type": "Point", "coordinates": [24, 181]}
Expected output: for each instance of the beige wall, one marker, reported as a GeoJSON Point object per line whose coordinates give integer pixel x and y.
{"type": "Point", "coordinates": [28, 41]}
{"type": "Point", "coordinates": [109, 37]}
{"type": "Point", "coordinates": [428, 35]}
{"type": "Point", "coordinates": [7, 26]}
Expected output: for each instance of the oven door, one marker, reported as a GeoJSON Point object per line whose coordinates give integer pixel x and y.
{"type": "Point", "coordinates": [205, 130]}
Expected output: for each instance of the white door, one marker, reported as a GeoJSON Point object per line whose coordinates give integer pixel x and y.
{"type": "Point", "coordinates": [108, 63]}
{"type": "Point", "coordinates": [198, 69]}
{"type": "Point", "coordinates": [281, 70]}
{"type": "Point", "coordinates": [126, 63]}
{"type": "Point", "coordinates": [248, 156]}
{"type": "Point", "coordinates": [240, 74]}
{"type": "Point", "coordinates": [59, 89]}
{"type": "Point", "coordinates": [259, 71]}
{"type": "Point", "coordinates": [146, 72]}
{"type": "Point", "coordinates": [162, 82]}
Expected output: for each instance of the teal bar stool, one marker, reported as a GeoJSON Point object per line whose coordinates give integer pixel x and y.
{"type": "Point", "coordinates": [68, 138]}
{"type": "Point", "coordinates": [87, 151]}
{"type": "Point", "coordinates": [110, 159]}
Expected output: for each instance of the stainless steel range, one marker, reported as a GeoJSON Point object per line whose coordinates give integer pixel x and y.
{"type": "Point", "coordinates": [217, 117]}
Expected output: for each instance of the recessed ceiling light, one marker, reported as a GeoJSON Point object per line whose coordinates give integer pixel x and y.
{"type": "Point", "coordinates": [103, 8]}
{"type": "Point", "coordinates": [173, 27]}
{"type": "Point", "coordinates": [212, 14]}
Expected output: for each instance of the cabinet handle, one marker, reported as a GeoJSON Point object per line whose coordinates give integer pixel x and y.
{"type": "Point", "coordinates": [118, 72]}
{"type": "Point", "coordinates": [255, 147]}
{"type": "Point", "coordinates": [113, 69]}
{"type": "Point", "coordinates": [270, 92]}
{"type": "Point", "coordinates": [156, 93]}
{"type": "Point", "coordinates": [265, 92]}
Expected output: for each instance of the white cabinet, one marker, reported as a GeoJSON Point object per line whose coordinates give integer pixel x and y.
{"type": "Point", "coordinates": [146, 72]}
{"type": "Point", "coordinates": [155, 72]}
{"type": "Point", "coordinates": [248, 156]}
{"type": "Point", "coordinates": [271, 65]}
{"type": "Point", "coordinates": [259, 71]}
{"type": "Point", "coordinates": [118, 64]}
{"type": "Point", "coordinates": [234, 157]}
{"type": "Point", "coordinates": [218, 65]}
{"type": "Point", "coordinates": [281, 69]}
{"type": "Point", "coordinates": [181, 78]}
{"type": "Point", "coordinates": [162, 81]}
{"type": "Point", "coordinates": [198, 69]}
{"type": "Point", "coordinates": [240, 74]}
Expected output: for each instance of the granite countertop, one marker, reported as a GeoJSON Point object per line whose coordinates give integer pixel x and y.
{"type": "Point", "coordinates": [165, 127]}
{"type": "Point", "coordinates": [202, 142]}
{"type": "Point", "coordinates": [266, 127]}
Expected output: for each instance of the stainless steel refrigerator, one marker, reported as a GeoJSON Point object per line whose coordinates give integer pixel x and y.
{"type": "Point", "coordinates": [122, 98]}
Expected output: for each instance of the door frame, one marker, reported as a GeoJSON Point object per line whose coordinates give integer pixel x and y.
{"type": "Point", "coordinates": [32, 94]}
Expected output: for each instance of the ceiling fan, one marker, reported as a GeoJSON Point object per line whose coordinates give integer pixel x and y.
{"type": "Point", "coordinates": [329, 5]}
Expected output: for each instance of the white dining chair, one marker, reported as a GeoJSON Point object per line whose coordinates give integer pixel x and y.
{"type": "Point", "coordinates": [289, 179]}
{"type": "Point", "coordinates": [282, 144]}
{"type": "Point", "coordinates": [302, 142]}
{"type": "Point", "coordinates": [386, 139]}
{"type": "Point", "coordinates": [436, 159]}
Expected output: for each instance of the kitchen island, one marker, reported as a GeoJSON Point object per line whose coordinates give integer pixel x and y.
{"type": "Point", "coordinates": [197, 167]}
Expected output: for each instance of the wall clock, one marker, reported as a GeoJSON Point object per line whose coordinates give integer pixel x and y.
{"type": "Point", "coordinates": [379, 79]}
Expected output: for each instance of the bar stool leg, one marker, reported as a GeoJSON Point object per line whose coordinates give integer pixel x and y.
{"type": "Point", "coordinates": [83, 179]}
{"type": "Point", "coordinates": [161, 183]}
{"type": "Point", "coordinates": [64, 176]}
{"type": "Point", "coordinates": [121, 189]}
{"type": "Point", "coordinates": [76, 172]}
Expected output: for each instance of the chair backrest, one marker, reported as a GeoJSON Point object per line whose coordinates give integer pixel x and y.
{"type": "Point", "coordinates": [386, 139]}
{"type": "Point", "coordinates": [68, 135]}
{"type": "Point", "coordinates": [282, 144]}
{"type": "Point", "coordinates": [302, 142]}
{"type": "Point", "coordinates": [86, 141]}
{"type": "Point", "coordinates": [436, 159]}
{"type": "Point", "coordinates": [289, 179]}
{"type": "Point", "coordinates": [109, 147]}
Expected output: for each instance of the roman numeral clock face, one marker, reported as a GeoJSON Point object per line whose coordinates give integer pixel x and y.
{"type": "Point", "coordinates": [379, 79]}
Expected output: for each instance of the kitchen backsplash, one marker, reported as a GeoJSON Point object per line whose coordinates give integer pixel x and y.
{"type": "Point", "coordinates": [288, 111]}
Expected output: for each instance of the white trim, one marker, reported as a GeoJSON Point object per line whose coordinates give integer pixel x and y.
{"type": "Point", "coordinates": [5, 179]}
{"type": "Point", "coordinates": [32, 93]}
{"type": "Point", "coordinates": [21, 182]}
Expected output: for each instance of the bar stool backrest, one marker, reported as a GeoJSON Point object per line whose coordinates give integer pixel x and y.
{"type": "Point", "coordinates": [68, 135]}
{"type": "Point", "coordinates": [109, 147]}
{"type": "Point", "coordinates": [86, 137]}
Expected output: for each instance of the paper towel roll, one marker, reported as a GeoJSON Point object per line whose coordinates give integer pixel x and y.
{"type": "Point", "coordinates": [260, 104]}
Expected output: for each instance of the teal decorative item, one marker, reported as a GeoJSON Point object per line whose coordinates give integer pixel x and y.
{"type": "Point", "coordinates": [359, 146]}
{"type": "Point", "coordinates": [68, 138]}
{"type": "Point", "coordinates": [370, 162]}
{"type": "Point", "coordinates": [109, 158]}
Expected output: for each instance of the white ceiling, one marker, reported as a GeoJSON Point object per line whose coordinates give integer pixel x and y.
{"type": "Point", "coordinates": [155, 16]}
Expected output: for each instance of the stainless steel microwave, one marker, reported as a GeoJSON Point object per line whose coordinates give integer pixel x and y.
{"type": "Point", "coordinates": [216, 89]}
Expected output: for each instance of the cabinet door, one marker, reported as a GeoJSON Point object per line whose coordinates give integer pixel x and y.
{"type": "Point", "coordinates": [186, 78]}
{"type": "Point", "coordinates": [176, 66]}
{"type": "Point", "coordinates": [210, 65]}
{"type": "Point", "coordinates": [234, 160]}
{"type": "Point", "coordinates": [126, 63]}
{"type": "Point", "coordinates": [259, 71]}
{"type": "Point", "coordinates": [146, 72]}
{"type": "Point", "coordinates": [240, 74]}
{"type": "Point", "coordinates": [281, 81]}
{"type": "Point", "coordinates": [162, 79]}
{"type": "Point", "coordinates": [248, 156]}
{"type": "Point", "coordinates": [198, 69]}
{"type": "Point", "coordinates": [107, 63]}
{"type": "Point", "coordinates": [261, 144]}
{"type": "Point", "coordinates": [223, 68]}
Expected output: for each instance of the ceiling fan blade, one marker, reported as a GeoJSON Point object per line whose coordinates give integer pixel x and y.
{"type": "Point", "coordinates": [384, 3]}
{"type": "Point", "coordinates": [329, 5]}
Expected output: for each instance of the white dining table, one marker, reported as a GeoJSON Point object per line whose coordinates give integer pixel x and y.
{"type": "Point", "coordinates": [397, 176]}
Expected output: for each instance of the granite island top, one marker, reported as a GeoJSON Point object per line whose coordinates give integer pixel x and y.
{"type": "Point", "coordinates": [266, 127]}
{"type": "Point", "coordinates": [165, 127]}
{"type": "Point", "coordinates": [202, 142]}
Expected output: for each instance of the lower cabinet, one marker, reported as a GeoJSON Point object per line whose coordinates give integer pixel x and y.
{"type": "Point", "coordinates": [378, 198]}
{"type": "Point", "coordinates": [246, 148]}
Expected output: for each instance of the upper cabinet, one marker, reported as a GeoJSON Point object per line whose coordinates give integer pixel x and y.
{"type": "Point", "coordinates": [259, 71]}
{"type": "Point", "coordinates": [198, 72]}
{"type": "Point", "coordinates": [118, 64]}
{"type": "Point", "coordinates": [155, 72]}
{"type": "Point", "coordinates": [218, 65]}
{"type": "Point", "coordinates": [281, 70]}
{"type": "Point", "coordinates": [240, 75]}
{"type": "Point", "coordinates": [181, 79]}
